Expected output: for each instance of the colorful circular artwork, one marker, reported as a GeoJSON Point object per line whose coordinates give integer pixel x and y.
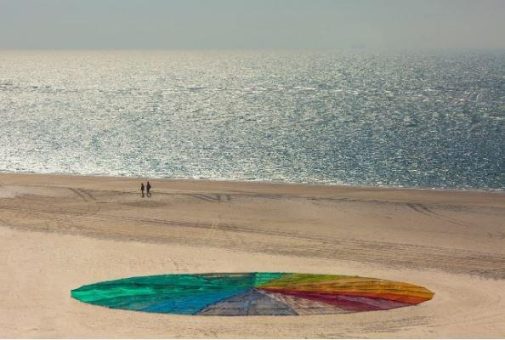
{"type": "Point", "coordinates": [252, 294]}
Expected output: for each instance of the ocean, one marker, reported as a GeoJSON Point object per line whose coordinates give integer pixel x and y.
{"type": "Point", "coordinates": [430, 119]}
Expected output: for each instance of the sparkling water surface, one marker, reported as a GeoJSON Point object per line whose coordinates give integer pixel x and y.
{"type": "Point", "coordinates": [413, 119]}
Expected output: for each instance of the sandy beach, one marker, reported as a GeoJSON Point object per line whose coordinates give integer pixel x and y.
{"type": "Point", "coordinates": [60, 232]}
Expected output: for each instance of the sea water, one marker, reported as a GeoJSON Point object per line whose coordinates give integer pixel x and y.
{"type": "Point", "coordinates": [433, 119]}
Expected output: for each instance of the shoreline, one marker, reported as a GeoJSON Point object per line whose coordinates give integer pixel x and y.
{"type": "Point", "coordinates": [59, 232]}
{"type": "Point", "coordinates": [447, 198]}
{"type": "Point", "coordinates": [500, 191]}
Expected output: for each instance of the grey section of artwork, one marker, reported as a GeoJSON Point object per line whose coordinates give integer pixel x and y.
{"type": "Point", "coordinates": [307, 307]}
{"type": "Point", "coordinates": [252, 302]}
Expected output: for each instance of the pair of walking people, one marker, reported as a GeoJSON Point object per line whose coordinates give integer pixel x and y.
{"type": "Point", "coordinates": [147, 188]}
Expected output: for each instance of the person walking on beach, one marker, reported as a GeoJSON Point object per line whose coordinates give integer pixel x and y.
{"type": "Point", "coordinates": [142, 189]}
{"type": "Point", "coordinates": [148, 187]}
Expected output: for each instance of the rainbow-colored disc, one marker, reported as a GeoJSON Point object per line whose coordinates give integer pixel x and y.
{"type": "Point", "coordinates": [252, 294]}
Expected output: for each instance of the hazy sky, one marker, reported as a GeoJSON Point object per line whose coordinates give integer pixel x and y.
{"type": "Point", "coordinates": [181, 24]}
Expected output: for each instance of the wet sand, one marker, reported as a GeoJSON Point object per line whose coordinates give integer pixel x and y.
{"type": "Point", "coordinates": [60, 232]}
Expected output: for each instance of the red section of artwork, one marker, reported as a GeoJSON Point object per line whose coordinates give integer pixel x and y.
{"type": "Point", "coordinates": [349, 302]}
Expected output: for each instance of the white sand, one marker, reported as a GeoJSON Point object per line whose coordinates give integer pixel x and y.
{"type": "Point", "coordinates": [59, 232]}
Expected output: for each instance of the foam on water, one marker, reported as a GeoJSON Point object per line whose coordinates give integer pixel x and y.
{"type": "Point", "coordinates": [414, 120]}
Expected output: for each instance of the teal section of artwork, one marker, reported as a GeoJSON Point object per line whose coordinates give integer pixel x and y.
{"type": "Point", "coordinates": [262, 278]}
{"type": "Point", "coordinates": [184, 294]}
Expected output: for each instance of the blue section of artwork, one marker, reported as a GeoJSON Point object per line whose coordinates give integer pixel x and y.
{"type": "Point", "coordinates": [192, 304]}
